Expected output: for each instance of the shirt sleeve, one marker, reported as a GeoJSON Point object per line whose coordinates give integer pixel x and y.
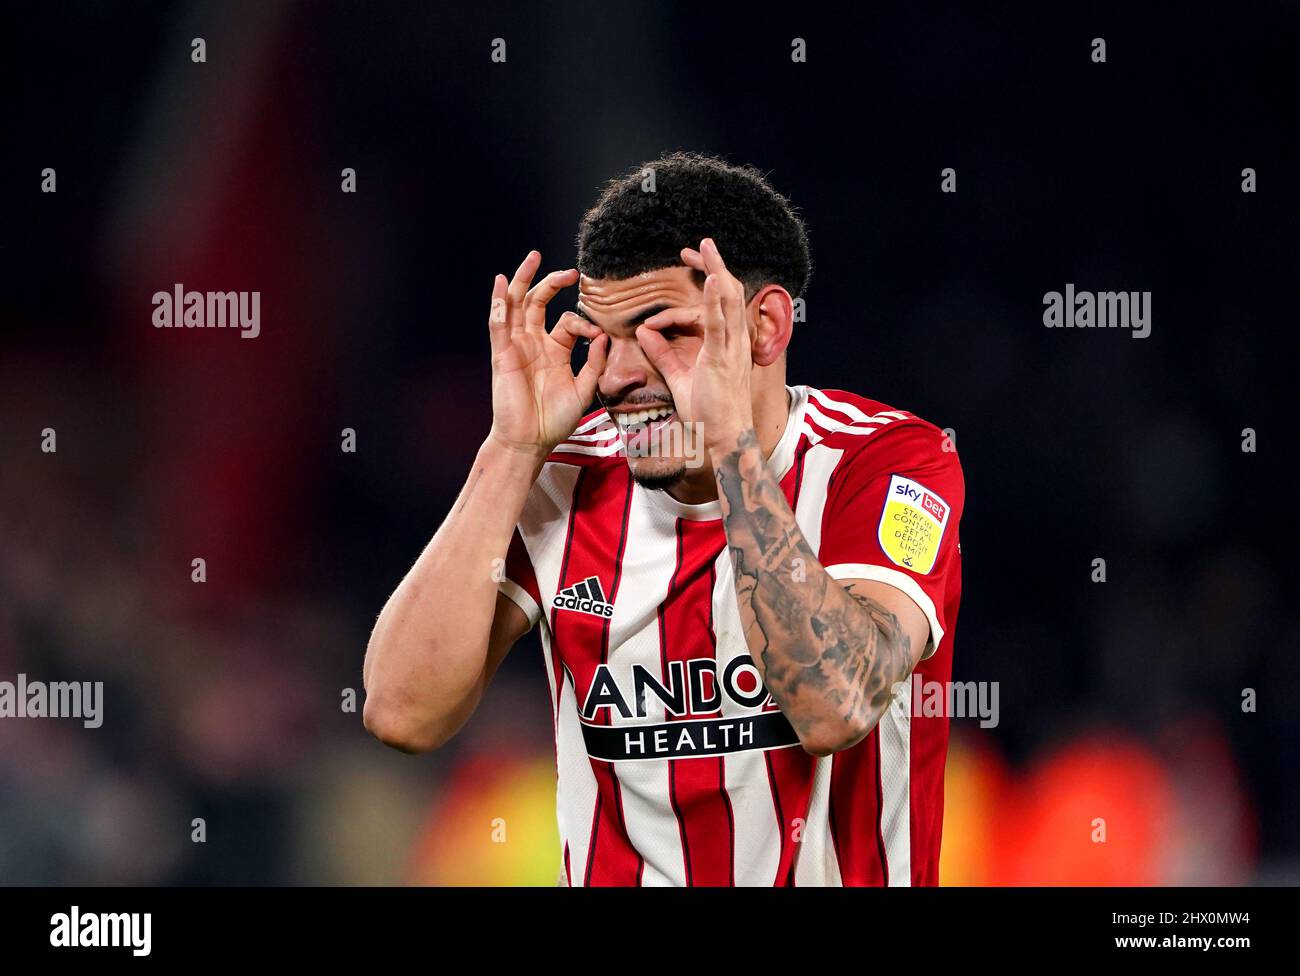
{"type": "Point", "coordinates": [892, 512]}
{"type": "Point", "coordinates": [519, 582]}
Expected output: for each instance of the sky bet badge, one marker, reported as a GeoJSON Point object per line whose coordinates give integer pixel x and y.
{"type": "Point", "coordinates": [912, 524]}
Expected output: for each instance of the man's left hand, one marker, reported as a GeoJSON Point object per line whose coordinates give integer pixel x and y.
{"type": "Point", "coordinates": [715, 390]}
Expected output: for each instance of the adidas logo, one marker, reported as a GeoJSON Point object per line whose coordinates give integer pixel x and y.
{"type": "Point", "coordinates": [585, 597]}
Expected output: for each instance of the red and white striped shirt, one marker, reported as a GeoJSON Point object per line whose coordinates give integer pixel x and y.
{"type": "Point", "coordinates": [674, 765]}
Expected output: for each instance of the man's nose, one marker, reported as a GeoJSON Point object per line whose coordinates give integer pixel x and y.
{"type": "Point", "coordinates": [626, 368]}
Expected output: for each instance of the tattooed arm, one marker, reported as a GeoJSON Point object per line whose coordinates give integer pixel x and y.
{"type": "Point", "coordinates": [829, 651]}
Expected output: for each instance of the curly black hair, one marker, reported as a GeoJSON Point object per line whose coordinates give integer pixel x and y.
{"type": "Point", "coordinates": [631, 230]}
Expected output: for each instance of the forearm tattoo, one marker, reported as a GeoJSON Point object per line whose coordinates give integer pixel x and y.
{"type": "Point", "coordinates": [827, 654]}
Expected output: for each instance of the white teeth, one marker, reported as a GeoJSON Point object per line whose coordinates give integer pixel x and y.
{"type": "Point", "coordinates": [626, 420]}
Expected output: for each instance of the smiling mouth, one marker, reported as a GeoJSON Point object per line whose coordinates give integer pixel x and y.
{"type": "Point", "coordinates": [649, 418]}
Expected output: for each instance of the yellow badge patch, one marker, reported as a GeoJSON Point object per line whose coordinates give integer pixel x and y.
{"type": "Point", "coordinates": [912, 524]}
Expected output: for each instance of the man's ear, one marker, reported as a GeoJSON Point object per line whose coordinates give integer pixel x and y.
{"type": "Point", "coordinates": [772, 319]}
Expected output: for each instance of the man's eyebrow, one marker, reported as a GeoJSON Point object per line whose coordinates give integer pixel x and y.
{"type": "Point", "coordinates": [643, 315]}
{"type": "Point", "coordinates": [635, 320]}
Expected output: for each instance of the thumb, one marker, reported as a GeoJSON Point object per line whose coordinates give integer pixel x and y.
{"type": "Point", "coordinates": [660, 354]}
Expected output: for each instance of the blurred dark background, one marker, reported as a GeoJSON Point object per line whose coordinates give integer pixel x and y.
{"type": "Point", "coordinates": [1120, 700]}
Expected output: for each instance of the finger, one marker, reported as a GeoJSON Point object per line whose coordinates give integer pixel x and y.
{"type": "Point", "coordinates": [693, 259]}
{"type": "Point", "coordinates": [589, 375]}
{"type": "Point", "coordinates": [498, 319]}
{"type": "Point", "coordinates": [713, 262]}
{"type": "Point", "coordinates": [541, 293]}
{"type": "Point", "coordinates": [714, 318]}
{"type": "Point", "coordinates": [677, 316]}
{"type": "Point", "coordinates": [661, 354]}
{"type": "Point", "coordinates": [519, 285]}
{"type": "Point", "coordinates": [732, 291]}
{"type": "Point", "coordinates": [573, 327]}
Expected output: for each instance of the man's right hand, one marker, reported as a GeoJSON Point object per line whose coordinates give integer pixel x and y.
{"type": "Point", "coordinates": [537, 401]}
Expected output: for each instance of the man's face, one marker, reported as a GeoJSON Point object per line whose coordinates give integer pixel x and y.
{"type": "Point", "coordinates": [659, 449]}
